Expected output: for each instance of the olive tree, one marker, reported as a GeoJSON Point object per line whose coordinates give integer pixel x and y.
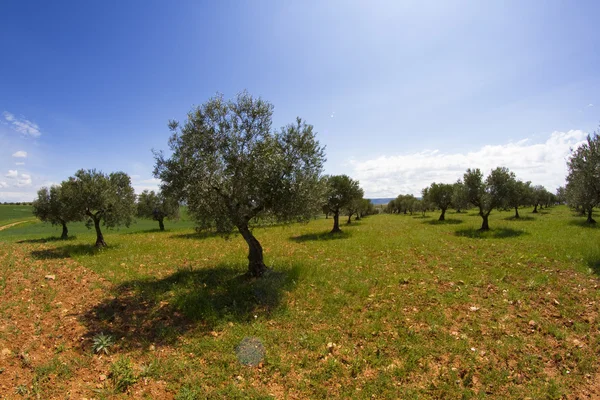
{"type": "Point", "coordinates": [231, 168]}
{"type": "Point", "coordinates": [157, 207]}
{"type": "Point", "coordinates": [489, 194]}
{"type": "Point", "coordinates": [440, 195]}
{"type": "Point", "coordinates": [460, 196]}
{"type": "Point", "coordinates": [518, 194]}
{"type": "Point", "coordinates": [342, 192]}
{"type": "Point", "coordinates": [583, 180]}
{"type": "Point", "coordinates": [52, 206]}
{"type": "Point", "coordinates": [101, 198]}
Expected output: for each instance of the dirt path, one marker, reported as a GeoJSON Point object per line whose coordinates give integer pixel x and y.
{"type": "Point", "coordinates": [3, 227]}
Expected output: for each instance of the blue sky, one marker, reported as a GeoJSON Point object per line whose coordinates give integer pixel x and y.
{"type": "Point", "coordinates": [401, 93]}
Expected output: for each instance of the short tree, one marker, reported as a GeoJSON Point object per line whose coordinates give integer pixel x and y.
{"type": "Point", "coordinates": [109, 199]}
{"type": "Point", "coordinates": [342, 192]}
{"type": "Point", "coordinates": [231, 168]}
{"type": "Point", "coordinates": [583, 180]}
{"type": "Point", "coordinates": [157, 207]}
{"type": "Point", "coordinates": [51, 206]}
{"type": "Point", "coordinates": [440, 195]}
{"type": "Point", "coordinates": [489, 194]}
{"type": "Point", "coordinates": [538, 193]}
{"type": "Point", "coordinates": [518, 194]}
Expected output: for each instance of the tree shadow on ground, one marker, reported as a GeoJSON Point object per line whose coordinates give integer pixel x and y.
{"type": "Point", "coordinates": [582, 223]}
{"type": "Point", "coordinates": [48, 239]}
{"type": "Point", "coordinates": [422, 217]}
{"type": "Point", "coordinates": [158, 311]}
{"type": "Point", "coordinates": [312, 237]}
{"type": "Point", "coordinates": [196, 235]}
{"type": "Point", "coordinates": [594, 264]}
{"type": "Point", "coordinates": [512, 218]}
{"type": "Point", "coordinates": [69, 251]}
{"type": "Point", "coordinates": [498, 233]}
{"type": "Point", "coordinates": [447, 221]}
{"type": "Point", "coordinates": [153, 230]}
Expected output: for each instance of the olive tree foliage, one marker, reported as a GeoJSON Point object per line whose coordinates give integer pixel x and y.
{"type": "Point", "coordinates": [342, 193]}
{"type": "Point", "coordinates": [232, 168]}
{"type": "Point", "coordinates": [101, 198]}
{"type": "Point", "coordinates": [157, 206]}
{"type": "Point", "coordinates": [460, 196]}
{"type": "Point", "coordinates": [440, 195]}
{"type": "Point", "coordinates": [52, 206]}
{"type": "Point", "coordinates": [538, 197]}
{"type": "Point", "coordinates": [561, 195]}
{"type": "Point", "coordinates": [583, 179]}
{"type": "Point", "coordinates": [518, 194]}
{"type": "Point", "coordinates": [489, 194]}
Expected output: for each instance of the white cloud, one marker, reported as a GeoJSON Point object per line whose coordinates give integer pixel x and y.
{"type": "Point", "coordinates": [590, 105]}
{"type": "Point", "coordinates": [22, 125]}
{"type": "Point", "coordinates": [139, 185]}
{"type": "Point", "coordinates": [3, 184]}
{"type": "Point", "coordinates": [20, 154]}
{"type": "Point", "coordinates": [540, 163]}
{"type": "Point", "coordinates": [12, 173]}
{"type": "Point", "coordinates": [25, 180]}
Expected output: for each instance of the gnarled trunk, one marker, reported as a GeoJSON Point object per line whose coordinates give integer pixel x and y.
{"type": "Point", "coordinates": [484, 225]}
{"type": "Point", "coordinates": [99, 237]}
{"type": "Point", "coordinates": [517, 212]}
{"type": "Point", "coordinates": [535, 209]}
{"type": "Point", "coordinates": [442, 215]}
{"type": "Point", "coordinates": [161, 224]}
{"type": "Point", "coordinates": [256, 265]}
{"type": "Point", "coordinates": [336, 222]}
{"type": "Point", "coordinates": [357, 217]}
{"type": "Point", "coordinates": [65, 231]}
{"type": "Point", "coordinates": [590, 220]}
{"type": "Point", "coordinates": [349, 219]}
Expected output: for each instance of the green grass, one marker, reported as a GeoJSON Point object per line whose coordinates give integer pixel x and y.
{"type": "Point", "coordinates": [13, 213]}
{"type": "Point", "coordinates": [398, 306]}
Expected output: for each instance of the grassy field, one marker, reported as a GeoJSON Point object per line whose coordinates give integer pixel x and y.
{"type": "Point", "coordinates": [398, 306]}
{"type": "Point", "coordinates": [10, 214]}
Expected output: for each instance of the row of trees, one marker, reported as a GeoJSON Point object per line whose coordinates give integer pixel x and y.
{"type": "Point", "coordinates": [499, 190]}
{"type": "Point", "coordinates": [583, 180]}
{"type": "Point", "coordinates": [99, 198]}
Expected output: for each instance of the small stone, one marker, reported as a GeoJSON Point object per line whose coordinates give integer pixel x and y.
{"type": "Point", "coordinates": [6, 352]}
{"type": "Point", "coordinates": [532, 323]}
{"type": "Point", "coordinates": [50, 277]}
{"type": "Point", "coordinates": [330, 347]}
{"type": "Point", "coordinates": [102, 378]}
{"type": "Point", "coordinates": [556, 302]}
{"type": "Point", "coordinates": [473, 308]}
{"type": "Point", "coordinates": [152, 347]}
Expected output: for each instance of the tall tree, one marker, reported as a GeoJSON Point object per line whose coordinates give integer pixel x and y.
{"type": "Point", "coordinates": [439, 194]}
{"type": "Point", "coordinates": [231, 168]}
{"type": "Point", "coordinates": [157, 207]}
{"type": "Point", "coordinates": [51, 206]}
{"type": "Point", "coordinates": [102, 198]}
{"type": "Point", "coordinates": [489, 194]}
{"type": "Point", "coordinates": [583, 180]}
{"type": "Point", "coordinates": [342, 191]}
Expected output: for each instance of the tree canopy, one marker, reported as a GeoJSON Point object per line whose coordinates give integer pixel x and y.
{"type": "Point", "coordinates": [343, 192]}
{"type": "Point", "coordinates": [157, 206]}
{"type": "Point", "coordinates": [231, 167]}
{"type": "Point", "coordinates": [52, 206]}
{"type": "Point", "coordinates": [99, 197]}
{"type": "Point", "coordinates": [439, 194]}
{"type": "Point", "coordinates": [489, 194]}
{"type": "Point", "coordinates": [583, 180]}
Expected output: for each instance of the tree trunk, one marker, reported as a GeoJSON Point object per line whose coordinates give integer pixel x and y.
{"type": "Point", "coordinates": [485, 225]}
{"type": "Point", "coordinates": [99, 237]}
{"type": "Point", "coordinates": [349, 219]}
{"type": "Point", "coordinates": [458, 210]}
{"type": "Point", "coordinates": [256, 265]}
{"type": "Point", "coordinates": [357, 217]}
{"type": "Point", "coordinates": [65, 231]}
{"type": "Point", "coordinates": [442, 215]}
{"type": "Point", "coordinates": [590, 220]}
{"type": "Point", "coordinates": [161, 224]}
{"type": "Point", "coordinates": [535, 209]}
{"type": "Point", "coordinates": [517, 212]}
{"type": "Point", "coordinates": [336, 222]}
{"type": "Point", "coordinates": [327, 215]}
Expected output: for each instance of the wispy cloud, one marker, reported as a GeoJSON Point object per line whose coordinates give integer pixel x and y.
{"type": "Point", "coordinates": [3, 184]}
{"type": "Point", "coordinates": [541, 163]}
{"type": "Point", "coordinates": [12, 173]}
{"type": "Point", "coordinates": [139, 185]}
{"type": "Point", "coordinates": [20, 154]}
{"type": "Point", "coordinates": [22, 125]}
